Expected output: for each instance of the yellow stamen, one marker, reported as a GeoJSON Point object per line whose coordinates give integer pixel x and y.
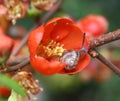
{"type": "Point", "coordinates": [52, 49]}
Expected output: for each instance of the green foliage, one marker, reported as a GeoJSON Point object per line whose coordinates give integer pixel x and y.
{"type": "Point", "coordinates": [12, 84]}
{"type": "Point", "coordinates": [65, 83]}
{"type": "Point", "coordinates": [80, 8]}
{"type": "Point", "coordinates": [109, 91]}
{"type": "Point", "coordinates": [116, 55]}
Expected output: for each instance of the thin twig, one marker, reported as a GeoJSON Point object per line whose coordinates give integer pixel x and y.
{"type": "Point", "coordinates": [18, 66]}
{"type": "Point", "coordinates": [44, 19]}
{"type": "Point", "coordinates": [104, 39]}
{"type": "Point", "coordinates": [96, 54]}
{"type": "Point", "coordinates": [16, 60]}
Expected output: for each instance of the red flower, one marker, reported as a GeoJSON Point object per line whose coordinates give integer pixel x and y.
{"type": "Point", "coordinates": [4, 92]}
{"type": "Point", "coordinates": [93, 25]}
{"type": "Point", "coordinates": [5, 43]}
{"type": "Point", "coordinates": [49, 42]}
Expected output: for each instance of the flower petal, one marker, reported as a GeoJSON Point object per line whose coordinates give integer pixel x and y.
{"type": "Point", "coordinates": [74, 39]}
{"type": "Point", "coordinates": [59, 25]}
{"type": "Point", "coordinates": [45, 67]}
{"type": "Point", "coordinates": [65, 32]}
{"type": "Point", "coordinates": [34, 39]}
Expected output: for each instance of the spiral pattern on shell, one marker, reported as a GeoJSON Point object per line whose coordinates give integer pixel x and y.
{"type": "Point", "coordinates": [70, 58]}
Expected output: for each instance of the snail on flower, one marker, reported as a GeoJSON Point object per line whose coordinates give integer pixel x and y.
{"type": "Point", "coordinates": [51, 51]}
{"type": "Point", "coordinates": [71, 57]}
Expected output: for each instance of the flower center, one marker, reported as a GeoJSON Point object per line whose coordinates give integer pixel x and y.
{"type": "Point", "coordinates": [52, 49]}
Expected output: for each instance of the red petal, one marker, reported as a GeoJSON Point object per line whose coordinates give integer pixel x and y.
{"type": "Point", "coordinates": [34, 39]}
{"type": "Point", "coordinates": [65, 32]}
{"type": "Point", "coordinates": [52, 26]}
{"type": "Point", "coordinates": [45, 67]}
{"type": "Point", "coordinates": [74, 39]}
{"type": "Point", "coordinates": [59, 19]}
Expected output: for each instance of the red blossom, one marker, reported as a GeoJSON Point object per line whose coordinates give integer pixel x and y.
{"type": "Point", "coordinates": [48, 42]}
{"type": "Point", "coordinates": [1, 1]}
{"type": "Point", "coordinates": [5, 43]}
{"type": "Point", "coordinates": [93, 25]}
{"type": "Point", "coordinates": [4, 92]}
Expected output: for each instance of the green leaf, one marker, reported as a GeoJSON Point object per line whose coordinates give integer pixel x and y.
{"type": "Point", "coordinates": [12, 84]}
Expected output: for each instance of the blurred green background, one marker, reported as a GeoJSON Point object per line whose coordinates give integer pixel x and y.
{"type": "Point", "coordinates": [81, 8]}
{"type": "Point", "coordinates": [72, 88]}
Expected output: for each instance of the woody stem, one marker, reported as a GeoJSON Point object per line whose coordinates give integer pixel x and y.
{"type": "Point", "coordinates": [104, 39]}
{"type": "Point", "coordinates": [107, 38]}
{"type": "Point", "coordinates": [96, 54]}
{"type": "Point", "coordinates": [16, 67]}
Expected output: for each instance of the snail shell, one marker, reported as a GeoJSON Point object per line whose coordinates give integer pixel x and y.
{"type": "Point", "coordinates": [70, 58]}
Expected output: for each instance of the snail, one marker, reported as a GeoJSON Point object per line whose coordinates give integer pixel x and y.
{"type": "Point", "coordinates": [71, 57]}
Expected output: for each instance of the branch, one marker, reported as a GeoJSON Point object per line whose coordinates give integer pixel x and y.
{"type": "Point", "coordinates": [100, 57]}
{"type": "Point", "coordinates": [104, 39]}
{"type": "Point", "coordinates": [16, 67]}
{"type": "Point", "coordinates": [16, 60]}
